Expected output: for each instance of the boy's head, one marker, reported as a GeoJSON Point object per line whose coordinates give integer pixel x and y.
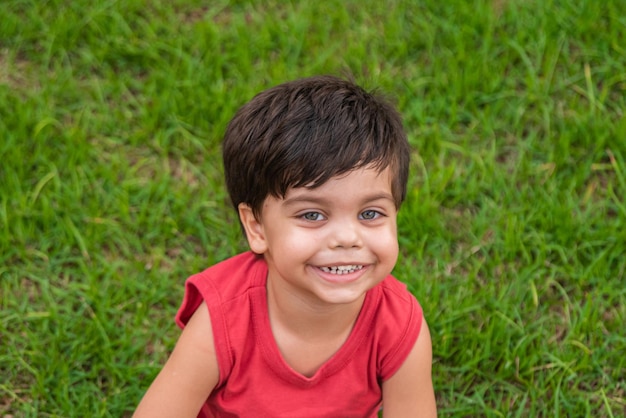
{"type": "Point", "coordinates": [305, 132]}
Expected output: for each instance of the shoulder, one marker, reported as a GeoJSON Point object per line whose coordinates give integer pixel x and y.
{"type": "Point", "coordinates": [409, 391]}
{"type": "Point", "coordinates": [397, 307]}
{"type": "Point", "coordinates": [222, 282]}
{"type": "Point", "coordinates": [239, 266]}
{"type": "Point", "coordinates": [398, 319]}
{"type": "Point", "coordinates": [394, 288]}
{"type": "Point", "coordinates": [406, 368]}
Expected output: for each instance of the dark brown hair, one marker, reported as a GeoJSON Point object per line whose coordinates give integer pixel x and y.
{"type": "Point", "coordinates": [304, 132]}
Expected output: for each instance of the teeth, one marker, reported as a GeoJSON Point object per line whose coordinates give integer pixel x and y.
{"type": "Point", "coordinates": [341, 269]}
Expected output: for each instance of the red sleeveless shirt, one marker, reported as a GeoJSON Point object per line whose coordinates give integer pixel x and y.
{"type": "Point", "coordinates": [255, 381]}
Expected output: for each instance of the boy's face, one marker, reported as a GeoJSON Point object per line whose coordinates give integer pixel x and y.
{"type": "Point", "coordinates": [331, 244]}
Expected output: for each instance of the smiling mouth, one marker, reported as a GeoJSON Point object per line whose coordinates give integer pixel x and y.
{"type": "Point", "coordinates": [342, 269]}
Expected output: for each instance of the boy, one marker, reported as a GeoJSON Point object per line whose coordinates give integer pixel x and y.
{"type": "Point", "coordinates": [309, 323]}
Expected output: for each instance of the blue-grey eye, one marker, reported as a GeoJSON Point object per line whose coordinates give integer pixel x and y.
{"type": "Point", "coordinates": [369, 214]}
{"type": "Point", "coordinates": [312, 216]}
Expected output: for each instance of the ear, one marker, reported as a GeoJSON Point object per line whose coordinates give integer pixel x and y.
{"type": "Point", "coordinates": [254, 229]}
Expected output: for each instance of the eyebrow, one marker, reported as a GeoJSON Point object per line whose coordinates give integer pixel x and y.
{"type": "Point", "coordinates": [321, 200]}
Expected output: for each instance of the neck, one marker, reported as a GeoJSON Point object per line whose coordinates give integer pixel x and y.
{"type": "Point", "coordinates": [307, 332]}
{"type": "Point", "coordinates": [301, 316]}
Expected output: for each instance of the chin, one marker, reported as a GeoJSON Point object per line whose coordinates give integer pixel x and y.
{"type": "Point", "coordinates": [341, 298]}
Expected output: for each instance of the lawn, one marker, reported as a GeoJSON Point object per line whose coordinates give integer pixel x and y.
{"type": "Point", "coordinates": [513, 234]}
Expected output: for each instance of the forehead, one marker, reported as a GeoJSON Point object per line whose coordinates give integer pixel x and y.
{"type": "Point", "coordinates": [363, 183]}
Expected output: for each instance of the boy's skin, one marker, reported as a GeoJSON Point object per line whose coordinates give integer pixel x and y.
{"type": "Point", "coordinates": [349, 220]}
{"type": "Point", "coordinates": [326, 241]}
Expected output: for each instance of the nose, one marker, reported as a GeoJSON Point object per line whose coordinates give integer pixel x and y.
{"type": "Point", "coordinates": [346, 234]}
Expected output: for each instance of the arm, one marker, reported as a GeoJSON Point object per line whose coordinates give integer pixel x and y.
{"type": "Point", "coordinates": [409, 392]}
{"type": "Point", "coordinates": [189, 375]}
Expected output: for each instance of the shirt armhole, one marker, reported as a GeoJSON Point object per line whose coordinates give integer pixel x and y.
{"type": "Point", "coordinates": [404, 344]}
{"type": "Point", "coordinates": [191, 300]}
{"type": "Point", "coordinates": [197, 290]}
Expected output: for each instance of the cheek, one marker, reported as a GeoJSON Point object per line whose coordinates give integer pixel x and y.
{"type": "Point", "coordinates": [295, 240]}
{"type": "Point", "coordinates": [385, 243]}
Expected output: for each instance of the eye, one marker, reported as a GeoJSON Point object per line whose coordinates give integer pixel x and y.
{"type": "Point", "coordinates": [368, 215]}
{"type": "Point", "coordinates": [312, 216]}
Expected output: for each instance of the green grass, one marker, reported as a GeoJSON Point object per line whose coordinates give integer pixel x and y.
{"type": "Point", "coordinates": [513, 233]}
